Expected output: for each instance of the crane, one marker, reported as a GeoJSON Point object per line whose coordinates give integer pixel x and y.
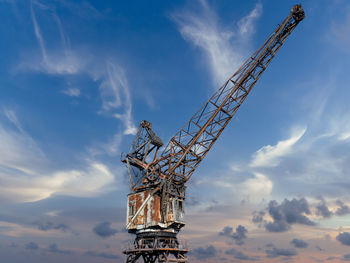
{"type": "Point", "coordinates": [158, 173]}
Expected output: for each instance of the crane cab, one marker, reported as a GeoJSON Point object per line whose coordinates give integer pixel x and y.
{"type": "Point", "coordinates": [150, 216]}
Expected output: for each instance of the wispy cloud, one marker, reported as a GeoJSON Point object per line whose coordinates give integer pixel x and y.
{"type": "Point", "coordinates": [116, 94]}
{"type": "Point", "coordinates": [341, 31]}
{"type": "Point", "coordinates": [25, 172]}
{"type": "Point", "coordinates": [256, 188]}
{"type": "Point", "coordinates": [89, 181]}
{"type": "Point", "coordinates": [317, 155]}
{"type": "Point", "coordinates": [224, 49]}
{"type": "Point", "coordinates": [12, 117]}
{"type": "Point", "coordinates": [106, 73]}
{"type": "Point", "coordinates": [18, 150]}
{"type": "Point", "coordinates": [310, 159]}
{"type": "Point", "coordinates": [38, 34]}
{"type": "Point", "coordinates": [59, 62]}
{"type": "Point", "coordinates": [82, 9]}
{"type": "Point", "coordinates": [111, 147]}
{"type": "Point", "coordinates": [268, 156]}
{"type": "Point", "coordinates": [246, 26]}
{"type": "Point", "coordinates": [64, 38]}
{"type": "Point", "coordinates": [72, 92]}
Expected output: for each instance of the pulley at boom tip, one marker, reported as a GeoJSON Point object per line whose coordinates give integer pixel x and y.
{"type": "Point", "coordinates": [298, 13]}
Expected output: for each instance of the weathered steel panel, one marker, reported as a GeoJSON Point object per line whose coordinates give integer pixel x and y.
{"type": "Point", "coordinates": [149, 216]}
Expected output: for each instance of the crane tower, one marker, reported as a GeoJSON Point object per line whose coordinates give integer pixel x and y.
{"type": "Point", "coordinates": [155, 206]}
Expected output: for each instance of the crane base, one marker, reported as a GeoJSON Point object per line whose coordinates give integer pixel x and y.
{"type": "Point", "coordinates": [155, 247]}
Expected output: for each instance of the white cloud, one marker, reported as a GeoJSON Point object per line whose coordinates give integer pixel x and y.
{"type": "Point", "coordinates": [64, 38]}
{"type": "Point", "coordinates": [246, 25]}
{"type": "Point", "coordinates": [12, 117]}
{"type": "Point", "coordinates": [90, 181]}
{"type": "Point", "coordinates": [231, 189]}
{"type": "Point", "coordinates": [25, 173]}
{"type": "Point", "coordinates": [344, 136]}
{"type": "Point", "coordinates": [72, 92]}
{"type": "Point", "coordinates": [108, 75]}
{"type": "Point", "coordinates": [37, 32]}
{"type": "Point", "coordinates": [312, 163]}
{"type": "Point", "coordinates": [115, 93]}
{"type": "Point", "coordinates": [13, 154]}
{"type": "Point", "coordinates": [217, 43]}
{"type": "Point", "coordinates": [269, 156]}
{"type": "Point", "coordinates": [111, 147]}
{"type": "Point", "coordinates": [339, 125]}
{"type": "Point", "coordinates": [57, 63]}
{"type": "Point", "coordinates": [257, 188]}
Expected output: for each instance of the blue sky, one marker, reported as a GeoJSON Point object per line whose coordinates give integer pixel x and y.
{"type": "Point", "coordinates": [78, 77]}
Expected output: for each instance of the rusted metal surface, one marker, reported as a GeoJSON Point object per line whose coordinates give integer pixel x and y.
{"type": "Point", "coordinates": [157, 183]}
{"type": "Point", "coordinates": [150, 215]}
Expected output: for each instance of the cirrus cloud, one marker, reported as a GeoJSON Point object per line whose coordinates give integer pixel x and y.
{"type": "Point", "coordinates": [25, 172]}
{"type": "Point", "coordinates": [269, 156]}
{"type": "Point", "coordinates": [219, 45]}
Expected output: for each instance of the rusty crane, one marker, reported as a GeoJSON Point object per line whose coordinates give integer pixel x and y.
{"type": "Point", "coordinates": [155, 206]}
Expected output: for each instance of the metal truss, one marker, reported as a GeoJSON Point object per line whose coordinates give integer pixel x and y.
{"type": "Point", "coordinates": [188, 147]}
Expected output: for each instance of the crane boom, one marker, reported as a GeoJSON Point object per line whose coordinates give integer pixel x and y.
{"type": "Point", "coordinates": [188, 147]}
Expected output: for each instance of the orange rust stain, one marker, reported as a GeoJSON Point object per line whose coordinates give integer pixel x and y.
{"type": "Point", "coordinates": [146, 218]}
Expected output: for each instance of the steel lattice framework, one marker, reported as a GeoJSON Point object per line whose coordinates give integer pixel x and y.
{"type": "Point", "coordinates": [161, 180]}
{"type": "Point", "coordinates": [188, 147]}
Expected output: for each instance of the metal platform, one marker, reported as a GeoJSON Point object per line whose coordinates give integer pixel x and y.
{"type": "Point", "coordinates": [156, 247]}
